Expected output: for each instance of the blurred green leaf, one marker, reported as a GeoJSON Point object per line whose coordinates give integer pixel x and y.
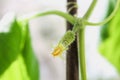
{"type": "Point", "coordinates": [28, 55]}
{"type": "Point", "coordinates": [10, 40]}
{"type": "Point", "coordinates": [16, 71]}
{"type": "Point", "coordinates": [17, 60]}
{"type": "Point", "coordinates": [104, 30]}
{"type": "Point", "coordinates": [110, 46]}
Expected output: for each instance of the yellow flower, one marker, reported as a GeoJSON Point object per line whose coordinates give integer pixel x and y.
{"type": "Point", "coordinates": [58, 50]}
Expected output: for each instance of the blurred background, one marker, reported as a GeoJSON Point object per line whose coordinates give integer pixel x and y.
{"type": "Point", "coordinates": [46, 32]}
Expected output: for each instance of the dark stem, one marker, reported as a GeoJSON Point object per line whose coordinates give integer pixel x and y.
{"type": "Point", "coordinates": [72, 71]}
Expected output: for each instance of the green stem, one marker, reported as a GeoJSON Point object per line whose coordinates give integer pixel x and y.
{"type": "Point", "coordinates": [80, 39]}
{"type": "Point", "coordinates": [81, 51]}
{"type": "Point", "coordinates": [88, 13]}
{"type": "Point", "coordinates": [67, 16]}
{"type": "Point", "coordinates": [107, 19]}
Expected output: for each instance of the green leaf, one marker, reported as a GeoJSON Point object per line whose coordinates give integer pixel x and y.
{"type": "Point", "coordinates": [28, 55]}
{"type": "Point", "coordinates": [17, 60]}
{"type": "Point", "coordinates": [10, 40]}
{"type": "Point", "coordinates": [110, 46]}
{"type": "Point", "coordinates": [104, 30]}
{"type": "Point", "coordinates": [16, 71]}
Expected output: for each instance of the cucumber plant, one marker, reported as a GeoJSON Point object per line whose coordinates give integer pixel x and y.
{"type": "Point", "coordinates": [16, 54]}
